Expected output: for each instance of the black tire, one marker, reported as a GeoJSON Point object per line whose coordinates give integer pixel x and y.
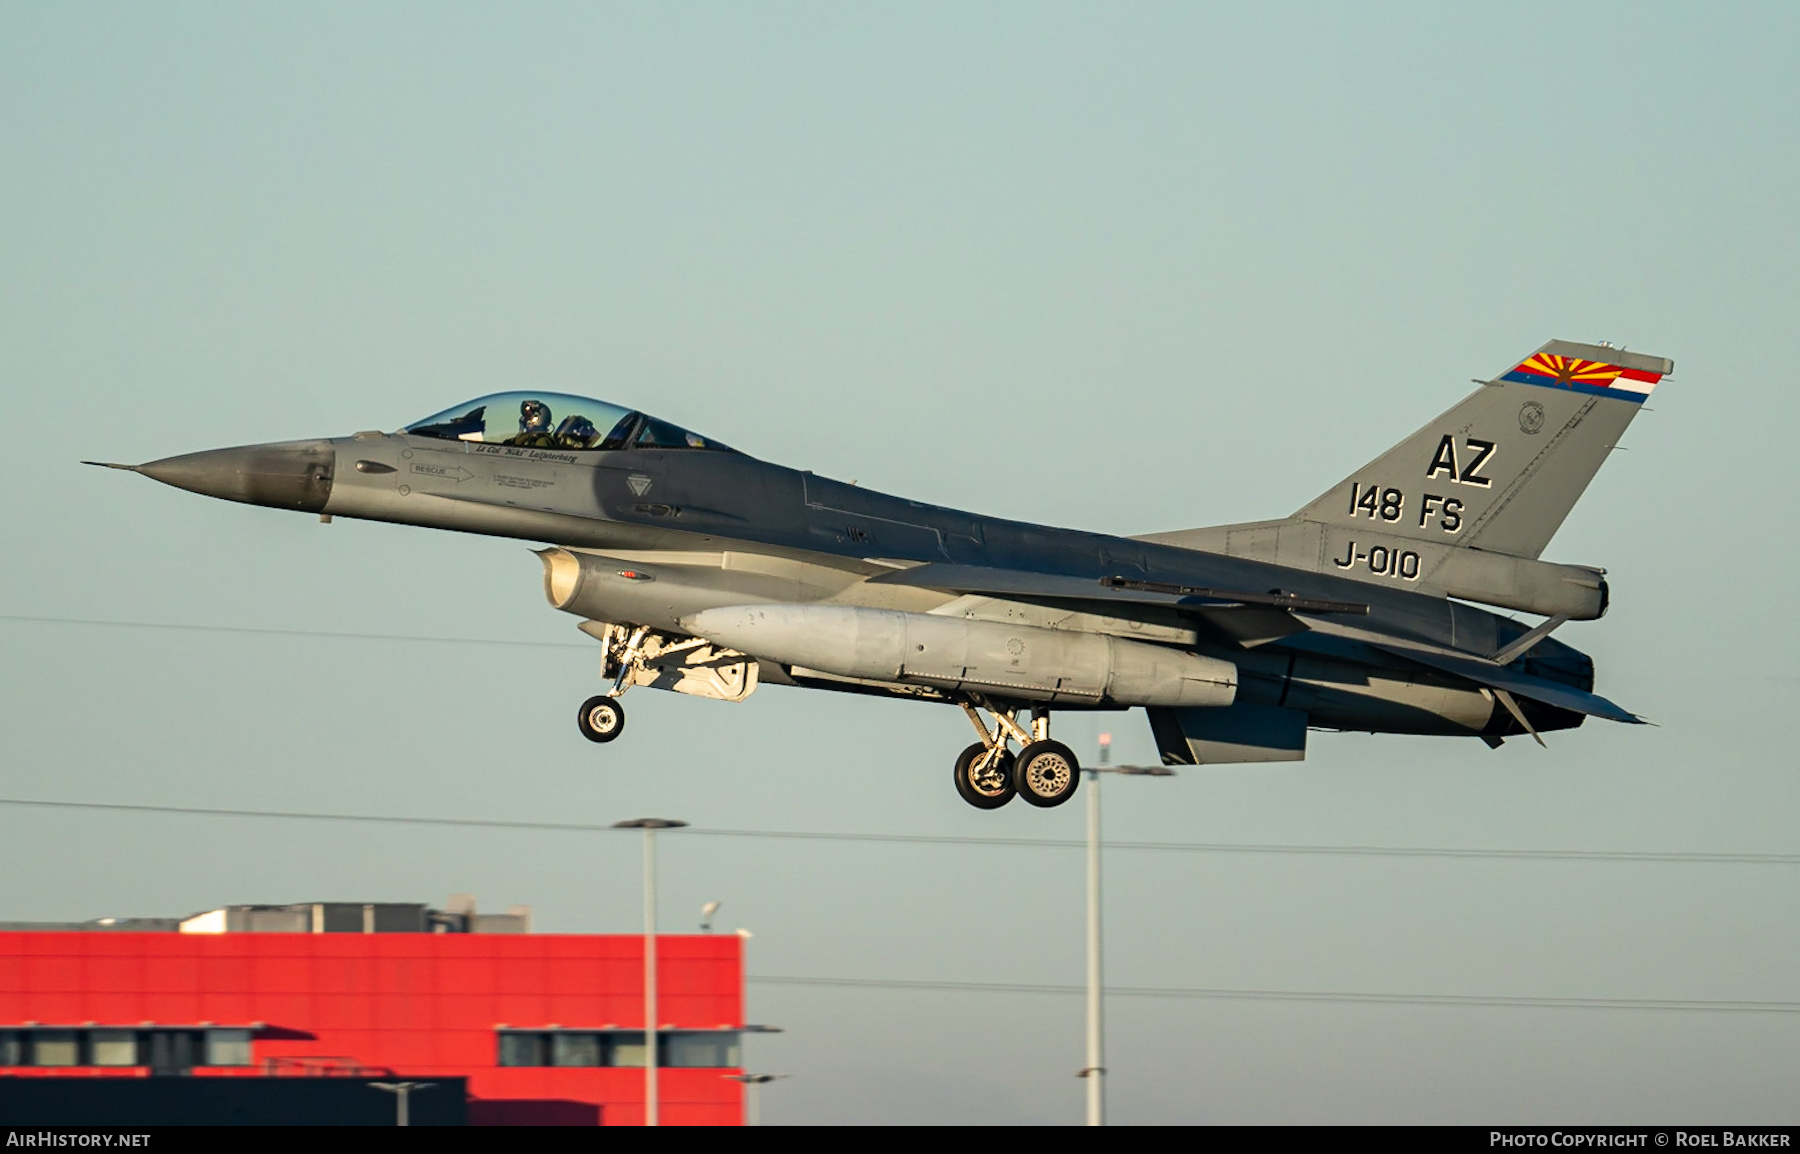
{"type": "Point", "coordinates": [995, 787]}
{"type": "Point", "coordinates": [1046, 773]}
{"type": "Point", "coordinates": [601, 719]}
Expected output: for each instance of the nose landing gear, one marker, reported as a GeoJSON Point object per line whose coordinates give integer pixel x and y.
{"type": "Point", "coordinates": [601, 719]}
{"type": "Point", "coordinates": [988, 775]}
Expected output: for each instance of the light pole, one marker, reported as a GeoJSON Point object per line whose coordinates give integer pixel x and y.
{"type": "Point", "coordinates": [649, 825]}
{"type": "Point", "coordinates": [1095, 1070]}
{"type": "Point", "coordinates": [753, 1084]}
{"type": "Point", "coordinates": [401, 1092]}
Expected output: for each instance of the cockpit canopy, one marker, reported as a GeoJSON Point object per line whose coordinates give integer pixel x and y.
{"type": "Point", "coordinates": [555, 421]}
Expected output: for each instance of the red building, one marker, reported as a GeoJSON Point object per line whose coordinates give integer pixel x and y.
{"type": "Point", "coordinates": [545, 1027]}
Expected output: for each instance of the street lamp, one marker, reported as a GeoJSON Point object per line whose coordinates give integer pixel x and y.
{"type": "Point", "coordinates": [1095, 1070]}
{"type": "Point", "coordinates": [401, 1092]}
{"type": "Point", "coordinates": [649, 825]}
{"type": "Point", "coordinates": [753, 1084]}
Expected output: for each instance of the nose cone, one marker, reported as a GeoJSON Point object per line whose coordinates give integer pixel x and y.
{"type": "Point", "coordinates": [289, 475]}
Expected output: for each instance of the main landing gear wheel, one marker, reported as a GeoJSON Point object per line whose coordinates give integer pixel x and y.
{"type": "Point", "coordinates": [601, 719]}
{"type": "Point", "coordinates": [1046, 773]}
{"type": "Point", "coordinates": [984, 778]}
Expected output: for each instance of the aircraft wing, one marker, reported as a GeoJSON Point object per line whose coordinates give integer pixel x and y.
{"type": "Point", "coordinates": [1244, 617]}
{"type": "Point", "coordinates": [1110, 590]}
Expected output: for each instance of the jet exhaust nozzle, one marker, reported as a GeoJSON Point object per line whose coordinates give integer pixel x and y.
{"type": "Point", "coordinates": [286, 475]}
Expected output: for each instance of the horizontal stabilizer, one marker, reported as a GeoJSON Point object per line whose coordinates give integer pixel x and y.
{"type": "Point", "coordinates": [1519, 684]}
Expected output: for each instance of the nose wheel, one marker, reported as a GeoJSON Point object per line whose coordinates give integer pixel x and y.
{"type": "Point", "coordinates": [601, 719]}
{"type": "Point", "coordinates": [988, 774]}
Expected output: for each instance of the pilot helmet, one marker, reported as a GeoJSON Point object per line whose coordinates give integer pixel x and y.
{"type": "Point", "coordinates": [534, 417]}
{"type": "Point", "coordinates": [576, 427]}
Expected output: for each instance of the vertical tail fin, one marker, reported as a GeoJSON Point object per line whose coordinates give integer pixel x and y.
{"type": "Point", "coordinates": [1466, 505]}
{"type": "Point", "coordinates": [1500, 471]}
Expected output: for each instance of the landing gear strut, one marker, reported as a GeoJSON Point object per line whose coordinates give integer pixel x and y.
{"type": "Point", "coordinates": [984, 776]}
{"type": "Point", "coordinates": [602, 718]}
{"type": "Point", "coordinates": [1044, 772]}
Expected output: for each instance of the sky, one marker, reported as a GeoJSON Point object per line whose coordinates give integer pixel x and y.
{"type": "Point", "coordinates": [1128, 268]}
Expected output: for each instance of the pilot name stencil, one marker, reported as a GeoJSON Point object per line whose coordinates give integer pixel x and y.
{"type": "Point", "coordinates": [523, 454]}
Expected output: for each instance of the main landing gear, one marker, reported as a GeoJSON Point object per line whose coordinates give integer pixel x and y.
{"type": "Point", "coordinates": [602, 718]}
{"type": "Point", "coordinates": [988, 774]}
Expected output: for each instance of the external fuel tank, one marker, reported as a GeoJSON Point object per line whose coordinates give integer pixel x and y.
{"type": "Point", "coordinates": [958, 653]}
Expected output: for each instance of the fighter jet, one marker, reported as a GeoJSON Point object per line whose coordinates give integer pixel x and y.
{"type": "Point", "coordinates": [703, 570]}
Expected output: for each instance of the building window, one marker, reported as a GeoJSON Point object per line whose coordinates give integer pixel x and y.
{"type": "Point", "coordinates": [112, 1048]}
{"type": "Point", "coordinates": [625, 1049]}
{"type": "Point", "coordinates": [518, 1049]}
{"type": "Point", "coordinates": [574, 1049]}
{"type": "Point", "coordinates": [693, 1049]}
{"type": "Point", "coordinates": [56, 1048]}
{"type": "Point", "coordinates": [719, 1051]}
{"type": "Point", "coordinates": [227, 1048]}
{"type": "Point", "coordinates": [163, 1051]}
{"type": "Point", "coordinates": [169, 1051]}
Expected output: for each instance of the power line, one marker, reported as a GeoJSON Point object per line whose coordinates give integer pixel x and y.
{"type": "Point", "coordinates": [945, 839]}
{"type": "Point", "coordinates": [1221, 994]}
{"type": "Point", "coordinates": [1224, 994]}
{"type": "Point", "coordinates": [1343, 997]}
{"type": "Point", "coordinates": [925, 839]}
{"type": "Point", "coordinates": [334, 635]}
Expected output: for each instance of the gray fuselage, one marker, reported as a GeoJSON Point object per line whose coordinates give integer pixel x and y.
{"type": "Point", "coordinates": [709, 528]}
